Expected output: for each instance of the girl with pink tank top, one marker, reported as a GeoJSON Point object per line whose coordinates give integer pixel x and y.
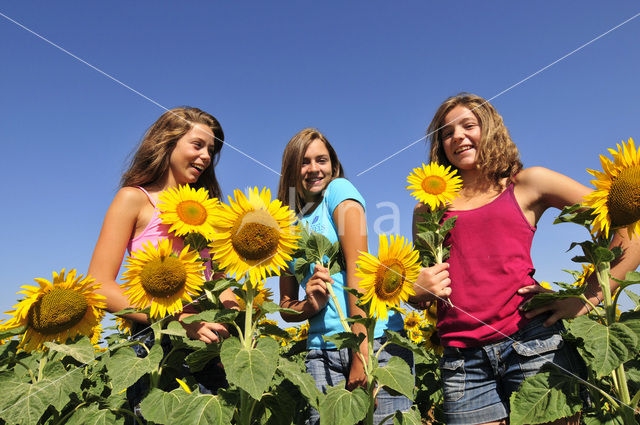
{"type": "Point", "coordinates": [181, 147]}
{"type": "Point", "coordinates": [489, 274]}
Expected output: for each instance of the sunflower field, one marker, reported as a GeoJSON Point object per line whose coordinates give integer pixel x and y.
{"type": "Point", "coordinates": [57, 367]}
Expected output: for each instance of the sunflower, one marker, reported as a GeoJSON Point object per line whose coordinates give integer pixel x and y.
{"type": "Point", "coordinates": [162, 279]}
{"type": "Point", "coordinates": [124, 326]}
{"type": "Point", "coordinates": [412, 321]}
{"type": "Point", "coordinates": [431, 340]}
{"type": "Point", "coordinates": [434, 185]}
{"type": "Point", "coordinates": [387, 279]}
{"type": "Point", "coordinates": [586, 272]}
{"type": "Point", "coordinates": [302, 332]}
{"type": "Point", "coordinates": [188, 210]}
{"type": "Point", "coordinates": [261, 296]}
{"type": "Point", "coordinates": [58, 310]}
{"type": "Point", "coordinates": [616, 199]}
{"type": "Point", "coordinates": [254, 235]}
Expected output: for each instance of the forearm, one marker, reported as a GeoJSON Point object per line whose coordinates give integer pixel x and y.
{"type": "Point", "coordinates": [116, 301]}
{"type": "Point", "coordinates": [302, 306]}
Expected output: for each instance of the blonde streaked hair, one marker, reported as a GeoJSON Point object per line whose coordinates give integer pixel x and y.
{"type": "Point", "coordinates": [151, 159]}
{"type": "Point", "coordinates": [292, 158]}
{"type": "Point", "coordinates": [497, 156]}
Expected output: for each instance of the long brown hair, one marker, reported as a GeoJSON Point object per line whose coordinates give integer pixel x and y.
{"type": "Point", "coordinates": [292, 164]}
{"type": "Point", "coordinates": [497, 156]}
{"type": "Point", "coordinates": [151, 159]}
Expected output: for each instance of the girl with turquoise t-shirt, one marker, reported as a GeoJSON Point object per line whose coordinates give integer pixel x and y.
{"type": "Point", "coordinates": [313, 183]}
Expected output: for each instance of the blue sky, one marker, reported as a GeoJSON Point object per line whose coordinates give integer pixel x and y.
{"type": "Point", "coordinates": [368, 74]}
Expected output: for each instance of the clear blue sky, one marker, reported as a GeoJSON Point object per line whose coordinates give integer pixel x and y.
{"type": "Point", "coordinates": [369, 74]}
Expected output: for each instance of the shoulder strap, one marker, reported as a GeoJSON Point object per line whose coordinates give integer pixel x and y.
{"type": "Point", "coordinates": [148, 196]}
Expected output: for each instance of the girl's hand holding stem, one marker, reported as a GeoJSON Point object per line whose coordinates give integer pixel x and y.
{"type": "Point", "coordinates": [433, 283]}
{"type": "Point", "coordinates": [316, 289]}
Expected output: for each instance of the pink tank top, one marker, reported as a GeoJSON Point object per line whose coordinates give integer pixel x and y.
{"type": "Point", "coordinates": [156, 231]}
{"type": "Point", "coordinates": [490, 260]}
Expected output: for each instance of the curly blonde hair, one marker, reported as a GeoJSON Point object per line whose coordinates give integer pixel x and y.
{"type": "Point", "coordinates": [497, 156]}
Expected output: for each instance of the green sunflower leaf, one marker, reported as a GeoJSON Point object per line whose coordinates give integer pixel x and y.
{"type": "Point", "coordinates": [125, 368]}
{"type": "Point", "coordinates": [268, 307]}
{"type": "Point", "coordinates": [305, 382]}
{"type": "Point", "coordinates": [546, 298]}
{"type": "Point", "coordinates": [603, 348]}
{"type": "Point", "coordinates": [250, 369]}
{"type": "Point", "coordinates": [410, 417]}
{"type": "Point", "coordinates": [201, 409]}
{"type": "Point", "coordinates": [397, 339]}
{"type": "Point", "coordinates": [545, 397]}
{"type": "Point", "coordinates": [397, 376]}
{"type": "Point", "coordinates": [93, 415]}
{"type": "Point", "coordinates": [158, 405]}
{"type": "Point", "coordinates": [301, 267]}
{"type": "Point", "coordinates": [82, 350]}
{"type": "Point", "coordinates": [12, 332]}
{"type": "Point", "coordinates": [605, 418]}
{"type": "Point", "coordinates": [342, 407]}
{"type": "Point", "coordinates": [21, 403]}
{"type": "Point", "coordinates": [345, 340]}
{"type": "Point", "coordinates": [213, 316]}
{"type": "Point", "coordinates": [199, 358]}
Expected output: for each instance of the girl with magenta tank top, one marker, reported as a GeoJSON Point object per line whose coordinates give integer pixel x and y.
{"type": "Point", "coordinates": [180, 148]}
{"type": "Point", "coordinates": [313, 184]}
{"type": "Point", "coordinates": [489, 274]}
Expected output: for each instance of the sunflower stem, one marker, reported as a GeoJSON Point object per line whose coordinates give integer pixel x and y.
{"type": "Point", "coordinates": [43, 363]}
{"type": "Point", "coordinates": [343, 319]}
{"type": "Point", "coordinates": [618, 375]}
{"type": "Point", "coordinates": [248, 316]}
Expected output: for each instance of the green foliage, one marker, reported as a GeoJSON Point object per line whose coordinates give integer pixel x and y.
{"type": "Point", "coordinates": [396, 376]}
{"type": "Point", "coordinates": [429, 240]}
{"type": "Point", "coordinates": [250, 368]}
{"type": "Point", "coordinates": [342, 407]}
{"type": "Point", "coordinates": [545, 397]}
{"type": "Point", "coordinates": [316, 248]}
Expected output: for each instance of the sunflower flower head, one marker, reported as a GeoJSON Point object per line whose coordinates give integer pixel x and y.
{"type": "Point", "coordinates": [162, 279]}
{"type": "Point", "coordinates": [616, 199]}
{"type": "Point", "coordinates": [187, 210]}
{"type": "Point", "coordinates": [434, 185]}
{"type": "Point", "coordinates": [387, 280]}
{"type": "Point", "coordinates": [302, 332]}
{"type": "Point", "coordinates": [431, 340]}
{"type": "Point", "coordinates": [255, 236]}
{"type": "Point", "coordinates": [57, 310]}
{"type": "Point", "coordinates": [262, 295]}
{"type": "Point", "coordinates": [412, 321]}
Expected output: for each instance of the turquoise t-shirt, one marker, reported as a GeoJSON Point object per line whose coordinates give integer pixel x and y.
{"type": "Point", "coordinates": [327, 321]}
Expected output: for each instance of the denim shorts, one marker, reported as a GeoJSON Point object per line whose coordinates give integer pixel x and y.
{"type": "Point", "coordinates": [330, 367]}
{"type": "Point", "coordinates": [478, 381]}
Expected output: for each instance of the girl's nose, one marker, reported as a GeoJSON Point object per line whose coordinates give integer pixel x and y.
{"type": "Point", "coordinates": [458, 133]}
{"type": "Point", "coordinates": [313, 166]}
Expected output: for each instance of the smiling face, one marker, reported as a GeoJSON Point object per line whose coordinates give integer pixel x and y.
{"type": "Point", "coordinates": [191, 155]}
{"type": "Point", "coordinates": [461, 137]}
{"type": "Point", "coordinates": [315, 172]}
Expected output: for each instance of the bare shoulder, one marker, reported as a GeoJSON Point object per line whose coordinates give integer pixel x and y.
{"type": "Point", "coordinates": [552, 189]}
{"type": "Point", "coordinates": [130, 196]}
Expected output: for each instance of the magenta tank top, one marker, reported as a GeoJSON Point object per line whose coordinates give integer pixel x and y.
{"type": "Point", "coordinates": [490, 260]}
{"type": "Point", "coordinates": [156, 231]}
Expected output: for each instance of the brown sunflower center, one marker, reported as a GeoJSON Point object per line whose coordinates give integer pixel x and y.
{"type": "Point", "coordinates": [256, 235]}
{"type": "Point", "coordinates": [411, 322]}
{"type": "Point", "coordinates": [57, 310]}
{"type": "Point", "coordinates": [434, 185]}
{"type": "Point", "coordinates": [389, 280]}
{"type": "Point", "coordinates": [191, 212]}
{"type": "Point", "coordinates": [163, 277]}
{"type": "Point", "coordinates": [624, 198]}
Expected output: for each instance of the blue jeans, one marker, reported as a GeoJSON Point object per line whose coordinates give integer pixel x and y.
{"type": "Point", "coordinates": [478, 381]}
{"type": "Point", "coordinates": [330, 367]}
